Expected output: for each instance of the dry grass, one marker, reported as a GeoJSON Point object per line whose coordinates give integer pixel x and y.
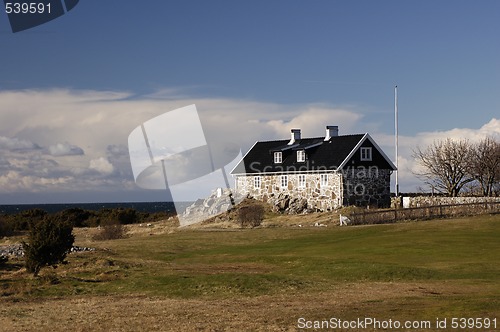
{"type": "Point", "coordinates": [263, 313]}
{"type": "Point", "coordinates": [212, 277]}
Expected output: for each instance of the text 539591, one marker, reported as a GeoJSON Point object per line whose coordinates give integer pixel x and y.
{"type": "Point", "coordinates": [27, 8]}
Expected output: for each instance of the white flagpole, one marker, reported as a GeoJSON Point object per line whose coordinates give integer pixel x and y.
{"type": "Point", "coordinates": [396, 135]}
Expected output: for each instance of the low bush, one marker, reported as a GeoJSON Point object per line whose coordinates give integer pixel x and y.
{"type": "Point", "coordinates": [77, 216]}
{"type": "Point", "coordinates": [110, 230]}
{"type": "Point", "coordinates": [6, 227]}
{"type": "Point", "coordinates": [251, 215]}
{"type": "Point", "coordinates": [3, 260]}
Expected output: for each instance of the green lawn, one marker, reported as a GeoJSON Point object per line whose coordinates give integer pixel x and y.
{"type": "Point", "coordinates": [453, 266]}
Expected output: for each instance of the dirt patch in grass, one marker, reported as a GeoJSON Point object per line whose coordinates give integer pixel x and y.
{"type": "Point", "coordinates": [264, 313]}
{"type": "Point", "coordinates": [247, 268]}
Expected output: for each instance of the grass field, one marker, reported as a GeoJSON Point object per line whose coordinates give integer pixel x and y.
{"type": "Point", "coordinates": [263, 279]}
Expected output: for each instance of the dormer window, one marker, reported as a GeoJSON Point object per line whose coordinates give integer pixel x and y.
{"type": "Point", "coordinates": [301, 156]}
{"type": "Point", "coordinates": [366, 154]}
{"type": "Point", "coordinates": [278, 157]}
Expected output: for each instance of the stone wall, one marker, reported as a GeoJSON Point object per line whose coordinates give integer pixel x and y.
{"type": "Point", "coordinates": [367, 187]}
{"type": "Point", "coordinates": [419, 201]}
{"type": "Point", "coordinates": [319, 198]}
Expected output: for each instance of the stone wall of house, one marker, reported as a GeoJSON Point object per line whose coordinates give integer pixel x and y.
{"type": "Point", "coordinates": [318, 198]}
{"type": "Point", "coordinates": [367, 187]}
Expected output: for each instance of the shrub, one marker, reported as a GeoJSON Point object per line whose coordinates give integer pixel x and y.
{"type": "Point", "coordinates": [77, 216]}
{"type": "Point", "coordinates": [251, 215]}
{"type": "Point", "coordinates": [126, 216]}
{"type": "Point", "coordinates": [3, 260]}
{"type": "Point", "coordinates": [24, 218]}
{"type": "Point", "coordinates": [6, 227]}
{"type": "Point", "coordinates": [110, 230]}
{"type": "Point", "coordinates": [123, 216]}
{"type": "Point", "coordinates": [49, 241]}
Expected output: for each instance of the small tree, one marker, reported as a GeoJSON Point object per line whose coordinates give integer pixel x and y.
{"type": "Point", "coordinates": [486, 164]}
{"type": "Point", "coordinates": [49, 241]}
{"type": "Point", "coordinates": [446, 165]}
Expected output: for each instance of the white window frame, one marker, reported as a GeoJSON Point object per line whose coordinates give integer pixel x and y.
{"type": "Point", "coordinates": [366, 154]}
{"type": "Point", "coordinates": [323, 180]}
{"type": "Point", "coordinates": [301, 180]}
{"type": "Point", "coordinates": [278, 157]}
{"type": "Point", "coordinates": [301, 156]}
{"type": "Point", "coordinates": [256, 182]}
{"type": "Point", "coordinates": [284, 181]}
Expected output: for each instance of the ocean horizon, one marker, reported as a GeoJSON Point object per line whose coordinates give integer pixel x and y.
{"type": "Point", "coordinates": [150, 207]}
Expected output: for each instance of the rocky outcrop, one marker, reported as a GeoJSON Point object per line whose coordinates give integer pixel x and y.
{"type": "Point", "coordinates": [284, 203]}
{"type": "Point", "coordinates": [219, 201]}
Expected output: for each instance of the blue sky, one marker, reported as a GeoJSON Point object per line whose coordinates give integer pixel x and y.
{"type": "Point", "coordinates": [283, 62]}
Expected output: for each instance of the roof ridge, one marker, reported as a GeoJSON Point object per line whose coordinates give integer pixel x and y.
{"type": "Point", "coordinates": [318, 137]}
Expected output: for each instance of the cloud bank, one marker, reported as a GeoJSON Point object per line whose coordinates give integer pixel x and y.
{"type": "Point", "coordinates": [61, 140]}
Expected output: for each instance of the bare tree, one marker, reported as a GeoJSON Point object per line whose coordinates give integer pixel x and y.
{"type": "Point", "coordinates": [446, 165]}
{"type": "Point", "coordinates": [486, 165]}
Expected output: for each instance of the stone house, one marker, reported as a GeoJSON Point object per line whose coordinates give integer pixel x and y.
{"type": "Point", "coordinates": [326, 172]}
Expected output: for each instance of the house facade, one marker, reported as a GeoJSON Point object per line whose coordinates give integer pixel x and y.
{"type": "Point", "coordinates": [326, 172]}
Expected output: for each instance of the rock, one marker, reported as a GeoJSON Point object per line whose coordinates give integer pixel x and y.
{"type": "Point", "coordinates": [219, 201]}
{"type": "Point", "coordinates": [16, 250]}
{"type": "Point", "coordinates": [283, 203]}
{"type": "Point", "coordinates": [344, 220]}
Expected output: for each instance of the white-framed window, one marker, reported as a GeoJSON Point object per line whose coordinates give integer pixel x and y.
{"type": "Point", "coordinates": [284, 181]}
{"type": "Point", "coordinates": [278, 157]}
{"type": "Point", "coordinates": [301, 156]}
{"type": "Point", "coordinates": [256, 182]}
{"type": "Point", "coordinates": [323, 180]}
{"type": "Point", "coordinates": [301, 180]}
{"type": "Point", "coordinates": [366, 154]}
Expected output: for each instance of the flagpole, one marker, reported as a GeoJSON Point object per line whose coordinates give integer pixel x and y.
{"type": "Point", "coordinates": [396, 136]}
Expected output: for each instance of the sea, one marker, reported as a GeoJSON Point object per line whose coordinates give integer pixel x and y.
{"type": "Point", "coordinates": [150, 207]}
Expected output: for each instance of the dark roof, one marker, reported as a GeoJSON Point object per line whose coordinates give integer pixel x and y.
{"type": "Point", "coordinates": [320, 155]}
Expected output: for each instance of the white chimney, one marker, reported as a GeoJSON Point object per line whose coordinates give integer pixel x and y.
{"type": "Point", "coordinates": [331, 131]}
{"type": "Point", "coordinates": [295, 136]}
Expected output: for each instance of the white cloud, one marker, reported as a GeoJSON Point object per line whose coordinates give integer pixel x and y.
{"type": "Point", "coordinates": [16, 144]}
{"type": "Point", "coordinates": [65, 149]}
{"type": "Point", "coordinates": [97, 123]}
{"type": "Point", "coordinates": [15, 181]}
{"type": "Point", "coordinates": [101, 165]}
{"type": "Point", "coordinates": [313, 121]}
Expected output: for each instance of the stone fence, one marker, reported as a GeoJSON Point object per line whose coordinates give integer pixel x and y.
{"type": "Point", "coordinates": [423, 201]}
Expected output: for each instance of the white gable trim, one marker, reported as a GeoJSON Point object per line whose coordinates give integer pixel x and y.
{"type": "Point", "coordinates": [361, 141]}
{"type": "Point", "coordinates": [381, 151]}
